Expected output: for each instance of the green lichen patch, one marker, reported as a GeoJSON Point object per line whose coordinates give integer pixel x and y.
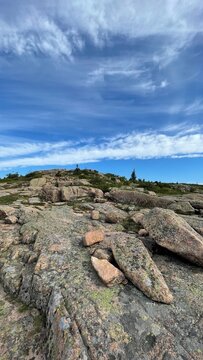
{"type": "Point", "coordinates": [118, 334]}
{"type": "Point", "coordinates": [106, 299]}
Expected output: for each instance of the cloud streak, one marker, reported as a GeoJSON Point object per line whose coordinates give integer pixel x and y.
{"type": "Point", "coordinates": [146, 145]}
{"type": "Point", "coordinates": [61, 28]}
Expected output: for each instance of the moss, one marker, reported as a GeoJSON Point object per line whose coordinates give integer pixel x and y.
{"type": "Point", "coordinates": [38, 324]}
{"type": "Point", "coordinates": [23, 308]}
{"type": "Point", "coordinates": [130, 225]}
{"type": "Point", "coordinates": [105, 299]}
{"type": "Point", "coordinates": [8, 199]}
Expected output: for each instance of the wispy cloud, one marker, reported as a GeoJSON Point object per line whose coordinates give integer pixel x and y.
{"type": "Point", "coordinates": [145, 145]}
{"type": "Point", "coordinates": [59, 27]}
{"type": "Point", "coordinates": [194, 108]}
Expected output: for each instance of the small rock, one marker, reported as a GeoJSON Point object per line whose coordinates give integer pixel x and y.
{"type": "Point", "coordinates": [108, 273]}
{"type": "Point", "coordinates": [11, 219]}
{"type": "Point", "coordinates": [95, 215]}
{"type": "Point", "coordinates": [100, 200]}
{"type": "Point", "coordinates": [93, 237]}
{"type": "Point", "coordinates": [34, 200]}
{"type": "Point", "coordinates": [143, 232]}
{"type": "Point", "coordinates": [151, 193]}
{"type": "Point", "coordinates": [114, 217]}
{"type": "Point", "coordinates": [137, 218]}
{"type": "Point", "coordinates": [103, 254]}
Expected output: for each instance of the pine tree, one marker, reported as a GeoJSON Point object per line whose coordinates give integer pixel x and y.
{"type": "Point", "coordinates": [133, 176]}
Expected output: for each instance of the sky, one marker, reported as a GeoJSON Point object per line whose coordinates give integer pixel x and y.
{"type": "Point", "coordinates": [111, 85]}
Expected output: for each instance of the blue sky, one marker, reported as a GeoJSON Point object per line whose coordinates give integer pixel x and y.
{"type": "Point", "coordinates": [113, 85]}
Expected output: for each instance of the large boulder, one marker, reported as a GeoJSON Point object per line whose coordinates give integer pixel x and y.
{"type": "Point", "coordinates": [38, 182]}
{"type": "Point", "coordinates": [196, 200]}
{"type": "Point", "coordinates": [139, 199]}
{"type": "Point", "coordinates": [174, 233]}
{"type": "Point", "coordinates": [138, 266]}
{"type": "Point", "coordinates": [182, 207]}
{"type": "Point", "coordinates": [73, 192]}
{"type": "Point", "coordinates": [50, 193]}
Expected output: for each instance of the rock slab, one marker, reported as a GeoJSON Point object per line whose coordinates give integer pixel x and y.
{"type": "Point", "coordinates": [137, 265]}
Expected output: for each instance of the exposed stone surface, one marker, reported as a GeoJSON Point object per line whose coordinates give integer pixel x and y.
{"type": "Point", "coordinates": [143, 232]}
{"type": "Point", "coordinates": [21, 331]}
{"type": "Point", "coordinates": [34, 200]}
{"type": "Point", "coordinates": [107, 272]}
{"type": "Point", "coordinates": [142, 200]}
{"type": "Point", "coordinates": [44, 264]}
{"type": "Point", "coordinates": [38, 182]}
{"type": "Point", "coordinates": [93, 237]}
{"type": "Point", "coordinates": [103, 254]}
{"type": "Point", "coordinates": [196, 200]}
{"type": "Point", "coordinates": [174, 233]}
{"type": "Point", "coordinates": [195, 222]}
{"type": "Point", "coordinates": [95, 215]}
{"type": "Point", "coordinates": [6, 211]}
{"type": "Point", "coordinates": [12, 219]}
{"type": "Point", "coordinates": [136, 263]}
{"type": "Point", "coordinates": [51, 193]}
{"type": "Point", "coordinates": [182, 207]}
{"type": "Point", "coordinates": [73, 192]}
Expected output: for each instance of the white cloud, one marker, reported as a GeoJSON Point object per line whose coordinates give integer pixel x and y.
{"type": "Point", "coordinates": [128, 146]}
{"type": "Point", "coordinates": [57, 27]}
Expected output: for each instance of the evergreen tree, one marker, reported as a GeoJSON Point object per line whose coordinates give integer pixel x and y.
{"type": "Point", "coordinates": [133, 176]}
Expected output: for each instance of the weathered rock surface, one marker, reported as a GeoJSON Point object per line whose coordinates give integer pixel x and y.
{"type": "Point", "coordinates": [21, 331]}
{"type": "Point", "coordinates": [136, 263]}
{"type": "Point", "coordinates": [182, 207]}
{"type": "Point", "coordinates": [12, 219]}
{"type": "Point", "coordinates": [85, 319]}
{"type": "Point", "coordinates": [142, 200]}
{"type": "Point", "coordinates": [73, 192]}
{"type": "Point", "coordinates": [196, 200]}
{"type": "Point", "coordinates": [6, 211]}
{"type": "Point", "coordinates": [174, 233]}
{"type": "Point", "coordinates": [95, 215]}
{"type": "Point", "coordinates": [107, 272]}
{"type": "Point", "coordinates": [38, 182]}
{"type": "Point", "coordinates": [50, 193]}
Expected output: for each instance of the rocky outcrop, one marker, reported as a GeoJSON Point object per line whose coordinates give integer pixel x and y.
{"type": "Point", "coordinates": [182, 207]}
{"type": "Point", "coordinates": [196, 200]}
{"type": "Point", "coordinates": [73, 192]}
{"type": "Point", "coordinates": [22, 332]}
{"type": "Point", "coordinates": [50, 193]}
{"type": "Point", "coordinates": [141, 200]}
{"type": "Point", "coordinates": [174, 233]}
{"type": "Point", "coordinates": [137, 265]}
{"type": "Point", "coordinates": [84, 318]}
